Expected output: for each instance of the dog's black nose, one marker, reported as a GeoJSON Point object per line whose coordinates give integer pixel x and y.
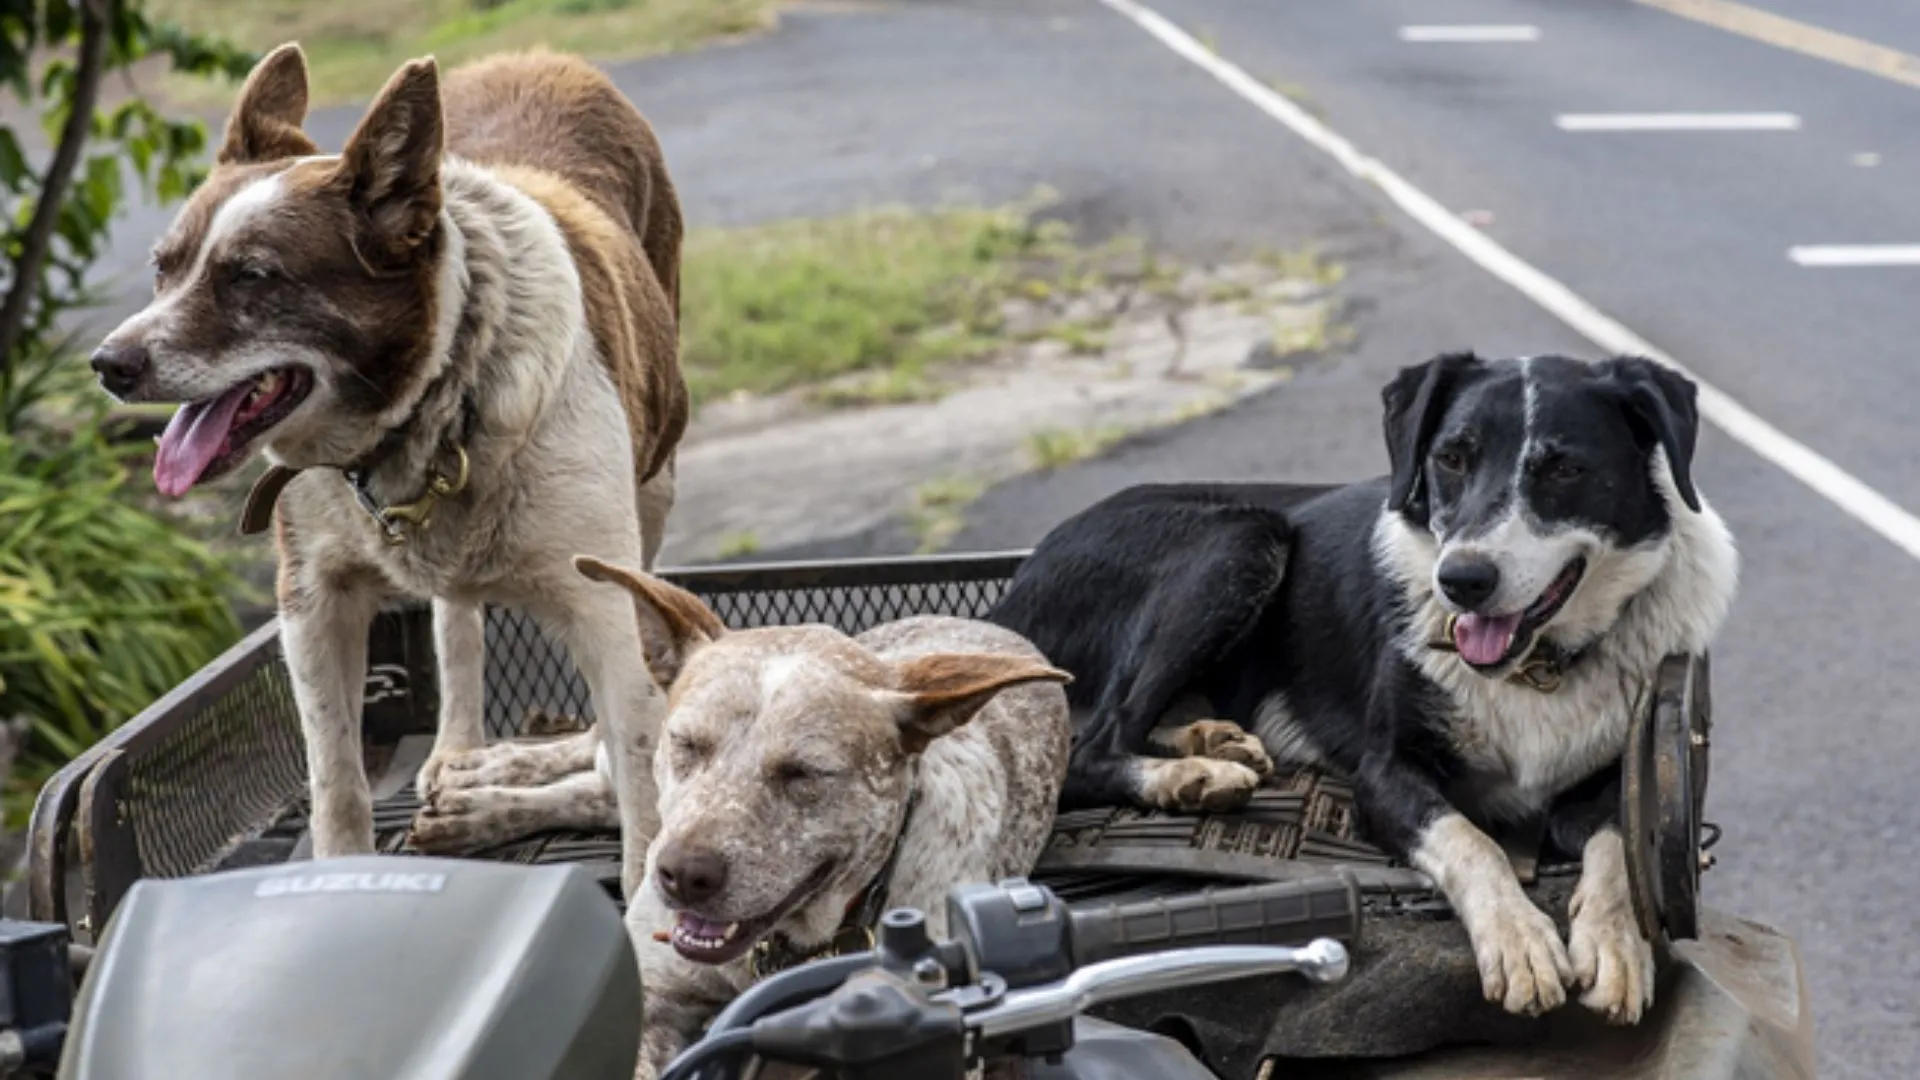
{"type": "Point", "coordinates": [120, 367]}
{"type": "Point", "coordinates": [690, 875]}
{"type": "Point", "coordinates": [1469, 582]}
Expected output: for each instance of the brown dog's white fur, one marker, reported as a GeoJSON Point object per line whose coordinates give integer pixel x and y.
{"type": "Point", "coordinates": [784, 775]}
{"type": "Point", "coordinates": [489, 265]}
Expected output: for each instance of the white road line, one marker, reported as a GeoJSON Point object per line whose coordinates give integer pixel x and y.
{"type": "Point", "coordinates": [1826, 479]}
{"type": "Point", "coordinates": [1856, 254]}
{"type": "Point", "coordinates": [1677, 121]}
{"type": "Point", "coordinates": [1469, 34]}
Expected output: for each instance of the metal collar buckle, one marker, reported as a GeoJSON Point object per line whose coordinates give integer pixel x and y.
{"type": "Point", "coordinates": [398, 523]}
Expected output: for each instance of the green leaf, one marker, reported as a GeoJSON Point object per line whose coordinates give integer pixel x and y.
{"type": "Point", "coordinates": [13, 164]}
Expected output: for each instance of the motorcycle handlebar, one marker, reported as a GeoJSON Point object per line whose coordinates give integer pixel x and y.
{"type": "Point", "coordinates": [1281, 913]}
{"type": "Point", "coordinates": [1049, 961]}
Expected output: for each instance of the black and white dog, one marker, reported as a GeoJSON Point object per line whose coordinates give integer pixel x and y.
{"type": "Point", "coordinates": [1467, 637]}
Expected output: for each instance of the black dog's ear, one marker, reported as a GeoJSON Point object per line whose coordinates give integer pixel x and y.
{"type": "Point", "coordinates": [1661, 406]}
{"type": "Point", "coordinates": [1414, 402]}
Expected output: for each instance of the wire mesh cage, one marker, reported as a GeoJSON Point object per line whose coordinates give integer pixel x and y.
{"type": "Point", "coordinates": [214, 775]}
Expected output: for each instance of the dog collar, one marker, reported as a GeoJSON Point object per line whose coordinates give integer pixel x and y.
{"type": "Point", "coordinates": [1543, 668]}
{"type": "Point", "coordinates": [776, 952]}
{"type": "Point", "coordinates": [398, 522]}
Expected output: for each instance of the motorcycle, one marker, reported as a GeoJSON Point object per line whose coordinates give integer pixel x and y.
{"type": "Point", "coordinates": [439, 969]}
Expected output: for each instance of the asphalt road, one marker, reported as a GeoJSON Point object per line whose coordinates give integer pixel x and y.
{"type": "Point", "coordinates": [1681, 235]}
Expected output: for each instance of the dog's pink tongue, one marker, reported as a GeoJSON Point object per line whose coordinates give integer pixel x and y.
{"type": "Point", "coordinates": [1482, 639]}
{"type": "Point", "coordinates": [193, 439]}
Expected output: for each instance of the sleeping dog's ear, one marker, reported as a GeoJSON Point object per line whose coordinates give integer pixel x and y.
{"type": "Point", "coordinates": [1414, 402]}
{"type": "Point", "coordinates": [1661, 407]}
{"type": "Point", "coordinates": [673, 622]}
{"type": "Point", "coordinates": [941, 691]}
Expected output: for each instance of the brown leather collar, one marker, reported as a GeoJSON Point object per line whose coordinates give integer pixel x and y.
{"type": "Point", "coordinates": [396, 522]}
{"type": "Point", "coordinates": [775, 953]}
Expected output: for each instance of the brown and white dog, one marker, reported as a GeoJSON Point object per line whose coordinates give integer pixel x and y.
{"type": "Point", "coordinates": [455, 341]}
{"type": "Point", "coordinates": [808, 782]}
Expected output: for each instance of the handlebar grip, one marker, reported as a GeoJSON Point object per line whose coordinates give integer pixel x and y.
{"type": "Point", "coordinates": [1282, 913]}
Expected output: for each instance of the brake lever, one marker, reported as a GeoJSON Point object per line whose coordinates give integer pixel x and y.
{"type": "Point", "coordinates": [1322, 961]}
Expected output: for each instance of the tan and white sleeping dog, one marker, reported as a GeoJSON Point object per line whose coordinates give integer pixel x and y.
{"type": "Point", "coordinates": [808, 782]}
{"type": "Point", "coordinates": [455, 341]}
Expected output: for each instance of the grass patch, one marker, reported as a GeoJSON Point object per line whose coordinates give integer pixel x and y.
{"type": "Point", "coordinates": [1318, 333]}
{"type": "Point", "coordinates": [1306, 264]}
{"type": "Point", "coordinates": [901, 386]}
{"type": "Point", "coordinates": [939, 510]}
{"type": "Point", "coordinates": [353, 45]}
{"type": "Point", "coordinates": [739, 545]}
{"type": "Point", "coordinates": [1051, 448]}
{"type": "Point", "coordinates": [892, 292]}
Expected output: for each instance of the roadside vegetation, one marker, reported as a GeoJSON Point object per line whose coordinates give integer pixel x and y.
{"type": "Point", "coordinates": [864, 308]}
{"type": "Point", "coordinates": [104, 603]}
{"type": "Point", "coordinates": [885, 295]}
{"type": "Point", "coordinates": [354, 45]}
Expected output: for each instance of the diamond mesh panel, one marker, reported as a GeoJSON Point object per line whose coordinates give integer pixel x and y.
{"type": "Point", "coordinates": [223, 782]}
{"type": "Point", "coordinates": [230, 767]}
{"type": "Point", "coordinates": [528, 672]}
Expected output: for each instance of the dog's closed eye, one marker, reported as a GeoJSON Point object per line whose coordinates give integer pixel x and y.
{"type": "Point", "coordinates": [795, 776]}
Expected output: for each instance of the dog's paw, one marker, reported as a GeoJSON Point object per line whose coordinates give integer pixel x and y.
{"type": "Point", "coordinates": [509, 764]}
{"type": "Point", "coordinates": [452, 821]}
{"type": "Point", "coordinates": [1523, 965]}
{"type": "Point", "coordinates": [1612, 964]}
{"type": "Point", "coordinates": [444, 771]}
{"type": "Point", "coordinates": [1196, 783]}
{"type": "Point", "coordinates": [1224, 740]}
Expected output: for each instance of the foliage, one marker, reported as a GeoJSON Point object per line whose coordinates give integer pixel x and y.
{"type": "Point", "coordinates": [769, 307]}
{"type": "Point", "coordinates": [352, 46]}
{"type": "Point", "coordinates": [103, 606]}
{"type": "Point", "coordinates": [58, 215]}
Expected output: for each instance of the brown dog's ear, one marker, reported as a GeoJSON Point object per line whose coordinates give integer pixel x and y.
{"type": "Point", "coordinates": [265, 124]}
{"type": "Point", "coordinates": [391, 164]}
{"type": "Point", "coordinates": [673, 621]}
{"type": "Point", "coordinates": [943, 691]}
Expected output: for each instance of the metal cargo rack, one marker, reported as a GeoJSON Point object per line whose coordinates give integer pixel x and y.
{"type": "Point", "coordinates": [213, 776]}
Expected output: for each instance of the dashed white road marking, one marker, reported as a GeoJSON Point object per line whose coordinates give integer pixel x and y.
{"type": "Point", "coordinates": [1469, 35]}
{"type": "Point", "coordinates": [1856, 254]}
{"type": "Point", "coordinates": [1678, 121]}
{"type": "Point", "coordinates": [1822, 476]}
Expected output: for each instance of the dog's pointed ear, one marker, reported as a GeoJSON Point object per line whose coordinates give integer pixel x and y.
{"type": "Point", "coordinates": [265, 123]}
{"type": "Point", "coordinates": [674, 623]}
{"type": "Point", "coordinates": [391, 164]}
{"type": "Point", "coordinates": [1413, 404]}
{"type": "Point", "coordinates": [940, 692]}
{"type": "Point", "coordinates": [1663, 408]}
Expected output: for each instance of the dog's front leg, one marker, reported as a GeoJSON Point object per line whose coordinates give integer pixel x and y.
{"type": "Point", "coordinates": [1613, 963]}
{"type": "Point", "coordinates": [460, 646]}
{"type": "Point", "coordinates": [323, 632]}
{"type": "Point", "coordinates": [1523, 964]}
{"type": "Point", "coordinates": [602, 634]}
